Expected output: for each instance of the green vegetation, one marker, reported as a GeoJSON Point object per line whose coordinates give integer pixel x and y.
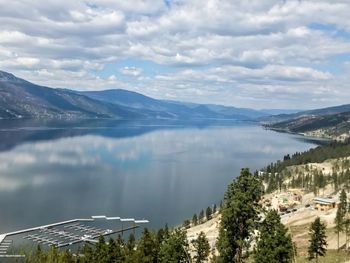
{"type": "Point", "coordinates": [275, 244]}
{"type": "Point", "coordinates": [240, 216]}
{"type": "Point", "coordinates": [275, 174]}
{"type": "Point", "coordinates": [163, 246]}
{"type": "Point", "coordinates": [202, 248]}
{"type": "Point", "coordinates": [318, 243]}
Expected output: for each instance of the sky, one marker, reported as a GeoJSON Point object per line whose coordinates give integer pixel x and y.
{"type": "Point", "coordinates": [287, 54]}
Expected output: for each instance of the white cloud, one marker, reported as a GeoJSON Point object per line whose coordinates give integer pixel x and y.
{"type": "Point", "coordinates": [215, 49]}
{"type": "Point", "coordinates": [133, 71]}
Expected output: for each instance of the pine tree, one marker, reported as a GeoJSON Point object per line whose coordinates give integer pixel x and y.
{"type": "Point", "coordinates": [175, 248]}
{"type": "Point", "coordinates": [147, 247]}
{"type": "Point", "coordinates": [208, 213]}
{"type": "Point", "coordinates": [275, 244]}
{"type": "Point", "coordinates": [195, 220]}
{"type": "Point", "coordinates": [202, 248]}
{"type": "Point", "coordinates": [240, 215]}
{"type": "Point", "coordinates": [130, 245]}
{"type": "Point", "coordinates": [201, 216]}
{"type": "Point", "coordinates": [341, 222]}
{"type": "Point", "coordinates": [100, 250]}
{"type": "Point", "coordinates": [318, 242]}
{"type": "Point", "coordinates": [186, 224]}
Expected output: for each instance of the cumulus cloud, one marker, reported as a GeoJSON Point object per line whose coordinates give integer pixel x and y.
{"type": "Point", "coordinates": [133, 71]}
{"type": "Point", "coordinates": [219, 51]}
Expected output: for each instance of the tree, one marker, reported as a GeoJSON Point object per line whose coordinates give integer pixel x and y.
{"type": "Point", "coordinates": [340, 220]}
{"type": "Point", "coordinates": [275, 244]}
{"type": "Point", "coordinates": [202, 248]}
{"type": "Point", "coordinates": [147, 247]}
{"type": "Point", "coordinates": [114, 252]}
{"type": "Point", "coordinates": [339, 224]}
{"type": "Point", "coordinates": [318, 242]}
{"type": "Point", "coordinates": [201, 216]}
{"type": "Point", "coordinates": [186, 224]}
{"type": "Point", "coordinates": [175, 248]}
{"type": "Point", "coordinates": [101, 250]}
{"type": "Point", "coordinates": [195, 220]}
{"type": "Point", "coordinates": [130, 245]}
{"type": "Point", "coordinates": [240, 215]}
{"type": "Point", "coordinates": [208, 213]}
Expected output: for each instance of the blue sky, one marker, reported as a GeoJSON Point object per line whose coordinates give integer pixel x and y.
{"type": "Point", "coordinates": [257, 54]}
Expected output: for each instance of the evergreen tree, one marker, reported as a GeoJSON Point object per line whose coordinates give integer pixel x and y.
{"type": "Point", "coordinates": [341, 221]}
{"type": "Point", "coordinates": [175, 248]}
{"type": "Point", "coordinates": [147, 247]}
{"type": "Point", "coordinates": [130, 245]}
{"type": "Point", "coordinates": [208, 213]}
{"type": "Point", "coordinates": [275, 244]}
{"type": "Point", "coordinates": [240, 215]}
{"type": "Point", "coordinates": [101, 250]}
{"type": "Point", "coordinates": [201, 216]}
{"type": "Point", "coordinates": [195, 220]}
{"type": "Point", "coordinates": [202, 248]}
{"type": "Point", "coordinates": [318, 242]}
{"type": "Point", "coordinates": [186, 224]}
{"type": "Point", "coordinates": [114, 252]}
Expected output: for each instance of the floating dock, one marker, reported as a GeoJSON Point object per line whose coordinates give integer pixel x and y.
{"type": "Point", "coordinates": [67, 233]}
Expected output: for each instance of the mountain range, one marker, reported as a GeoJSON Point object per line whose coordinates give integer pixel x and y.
{"type": "Point", "coordinates": [21, 99]}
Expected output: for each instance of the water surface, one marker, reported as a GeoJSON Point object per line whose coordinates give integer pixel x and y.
{"type": "Point", "coordinates": [161, 172]}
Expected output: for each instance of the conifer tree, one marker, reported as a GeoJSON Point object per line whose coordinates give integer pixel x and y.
{"type": "Point", "coordinates": [195, 220]}
{"type": "Point", "coordinates": [201, 216]}
{"type": "Point", "coordinates": [240, 215]}
{"type": "Point", "coordinates": [208, 213]}
{"type": "Point", "coordinates": [175, 248]}
{"type": "Point", "coordinates": [317, 243]}
{"type": "Point", "coordinates": [147, 247]}
{"type": "Point", "coordinates": [275, 244]}
{"type": "Point", "coordinates": [214, 209]}
{"type": "Point", "coordinates": [341, 221]}
{"type": "Point", "coordinates": [202, 248]}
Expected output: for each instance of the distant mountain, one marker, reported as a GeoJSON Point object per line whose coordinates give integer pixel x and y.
{"type": "Point", "coordinates": [174, 109]}
{"type": "Point", "coordinates": [22, 99]}
{"type": "Point", "coordinates": [322, 123]}
{"type": "Point", "coordinates": [279, 111]}
{"type": "Point", "coordinates": [275, 118]}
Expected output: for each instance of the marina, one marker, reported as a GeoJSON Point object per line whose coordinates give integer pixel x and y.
{"type": "Point", "coordinates": [69, 233]}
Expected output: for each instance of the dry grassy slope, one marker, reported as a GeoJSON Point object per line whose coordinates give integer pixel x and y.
{"type": "Point", "coordinates": [298, 222]}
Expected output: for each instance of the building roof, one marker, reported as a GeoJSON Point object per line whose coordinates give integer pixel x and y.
{"type": "Point", "coordinates": [324, 201]}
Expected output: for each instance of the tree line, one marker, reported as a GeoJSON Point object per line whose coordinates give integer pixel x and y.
{"type": "Point", "coordinates": [275, 174]}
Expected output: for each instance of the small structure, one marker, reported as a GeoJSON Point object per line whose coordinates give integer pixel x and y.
{"type": "Point", "coordinates": [324, 204]}
{"type": "Point", "coordinates": [64, 234]}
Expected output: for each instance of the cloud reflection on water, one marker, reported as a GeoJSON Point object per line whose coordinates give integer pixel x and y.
{"type": "Point", "coordinates": [165, 175]}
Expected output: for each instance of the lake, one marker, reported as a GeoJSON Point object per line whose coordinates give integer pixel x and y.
{"type": "Point", "coordinates": [164, 172]}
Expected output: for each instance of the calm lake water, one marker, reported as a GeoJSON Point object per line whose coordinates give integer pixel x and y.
{"type": "Point", "coordinates": [161, 172]}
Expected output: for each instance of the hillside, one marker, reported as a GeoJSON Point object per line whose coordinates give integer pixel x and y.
{"type": "Point", "coordinates": [275, 118]}
{"type": "Point", "coordinates": [22, 99]}
{"type": "Point", "coordinates": [335, 126]}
